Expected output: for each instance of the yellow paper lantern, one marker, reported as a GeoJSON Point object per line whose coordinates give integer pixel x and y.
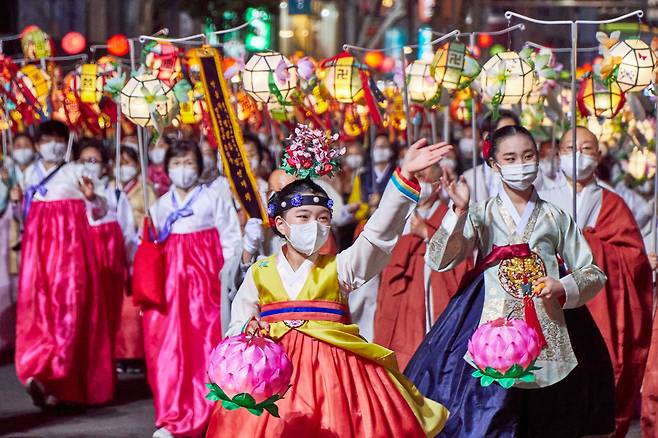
{"type": "Point", "coordinates": [37, 81]}
{"type": "Point", "coordinates": [261, 81]}
{"type": "Point", "coordinates": [454, 67]}
{"type": "Point", "coordinates": [637, 64]}
{"type": "Point", "coordinates": [506, 78]}
{"type": "Point", "coordinates": [88, 90]}
{"type": "Point", "coordinates": [599, 99]}
{"type": "Point", "coordinates": [145, 99]}
{"type": "Point", "coordinates": [642, 163]}
{"type": "Point", "coordinates": [421, 85]}
{"type": "Point", "coordinates": [343, 81]}
{"type": "Point", "coordinates": [36, 44]}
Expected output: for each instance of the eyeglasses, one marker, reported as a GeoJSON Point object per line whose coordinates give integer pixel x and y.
{"type": "Point", "coordinates": [91, 161]}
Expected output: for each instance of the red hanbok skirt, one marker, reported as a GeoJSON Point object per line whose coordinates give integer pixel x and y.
{"type": "Point", "coordinates": [179, 337]}
{"type": "Point", "coordinates": [62, 333]}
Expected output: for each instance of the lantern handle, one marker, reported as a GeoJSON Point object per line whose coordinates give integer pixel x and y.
{"type": "Point", "coordinates": [143, 38]}
{"type": "Point", "coordinates": [519, 26]}
{"type": "Point", "coordinates": [83, 57]}
{"type": "Point", "coordinates": [348, 47]}
{"type": "Point", "coordinates": [510, 14]}
{"type": "Point", "coordinates": [560, 49]}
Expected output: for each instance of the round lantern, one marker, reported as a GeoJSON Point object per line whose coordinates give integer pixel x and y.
{"type": "Point", "coordinates": [163, 61]}
{"type": "Point", "coordinates": [73, 42]}
{"type": "Point", "coordinates": [506, 78]}
{"type": "Point", "coordinates": [118, 45]}
{"type": "Point", "coordinates": [454, 67]}
{"type": "Point", "coordinates": [599, 99]}
{"type": "Point", "coordinates": [421, 85]}
{"type": "Point", "coordinates": [269, 77]}
{"type": "Point", "coordinates": [37, 81]}
{"type": "Point", "coordinates": [461, 106]}
{"type": "Point", "coordinates": [36, 43]}
{"type": "Point", "coordinates": [343, 80]}
{"type": "Point", "coordinates": [145, 98]}
{"type": "Point", "coordinates": [642, 164]}
{"type": "Point", "coordinates": [635, 72]}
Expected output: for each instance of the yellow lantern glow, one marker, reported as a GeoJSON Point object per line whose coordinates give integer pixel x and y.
{"type": "Point", "coordinates": [88, 91]}
{"type": "Point", "coordinates": [421, 85]}
{"type": "Point", "coordinates": [454, 67]}
{"type": "Point", "coordinates": [36, 44]}
{"type": "Point", "coordinates": [260, 81]}
{"type": "Point", "coordinates": [145, 98]}
{"type": "Point", "coordinates": [637, 64]}
{"type": "Point", "coordinates": [509, 75]}
{"type": "Point", "coordinates": [599, 99]}
{"type": "Point", "coordinates": [642, 163]}
{"type": "Point", "coordinates": [37, 81]}
{"type": "Point", "coordinates": [343, 81]}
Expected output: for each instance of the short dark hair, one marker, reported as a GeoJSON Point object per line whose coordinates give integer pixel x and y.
{"type": "Point", "coordinates": [488, 122]}
{"type": "Point", "coordinates": [506, 131]}
{"type": "Point", "coordinates": [180, 148]}
{"type": "Point", "coordinates": [131, 152]}
{"type": "Point", "coordinates": [91, 143]}
{"type": "Point", "coordinates": [253, 138]}
{"type": "Point", "coordinates": [24, 135]}
{"type": "Point", "coordinates": [52, 128]}
{"type": "Point", "coordinates": [299, 186]}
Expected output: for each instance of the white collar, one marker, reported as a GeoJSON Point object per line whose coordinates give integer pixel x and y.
{"type": "Point", "coordinates": [520, 220]}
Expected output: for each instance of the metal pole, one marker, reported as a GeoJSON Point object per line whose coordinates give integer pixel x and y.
{"type": "Point", "coordinates": [117, 152]}
{"type": "Point", "coordinates": [471, 40]}
{"type": "Point", "coordinates": [432, 118]}
{"type": "Point", "coordinates": [140, 142]}
{"type": "Point", "coordinates": [654, 243]}
{"type": "Point", "coordinates": [405, 100]}
{"type": "Point", "coordinates": [574, 63]}
{"type": "Point", "coordinates": [446, 123]}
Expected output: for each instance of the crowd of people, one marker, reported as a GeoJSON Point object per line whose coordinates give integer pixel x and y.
{"type": "Point", "coordinates": [407, 250]}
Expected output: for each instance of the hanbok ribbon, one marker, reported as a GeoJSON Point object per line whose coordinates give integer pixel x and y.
{"type": "Point", "coordinates": [39, 188]}
{"type": "Point", "coordinates": [178, 213]}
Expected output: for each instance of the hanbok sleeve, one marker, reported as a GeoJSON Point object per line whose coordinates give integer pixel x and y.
{"type": "Point", "coordinates": [127, 223]}
{"type": "Point", "coordinates": [226, 221]}
{"type": "Point", "coordinates": [585, 279]}
{"type": "Point", "coordinates": [372, 249]}
{"type": "Point", "coordinates": [245, 305]}
{"type": "Point", "coordinates": [454, 241]}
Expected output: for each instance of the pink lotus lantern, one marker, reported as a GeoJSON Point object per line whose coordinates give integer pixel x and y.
{"type": "Point", "coordinates": [504, 351]}
{"type": "Point", "coordinates": [249, 372]}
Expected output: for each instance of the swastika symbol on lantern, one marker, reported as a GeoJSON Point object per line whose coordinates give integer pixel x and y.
{"type": "Point", "coordinates": [342, 72]}
{"type": "Point", "coordinates": [456, 60]}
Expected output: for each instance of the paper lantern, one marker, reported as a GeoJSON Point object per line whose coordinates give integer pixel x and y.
{"type": "Point", "coordinates": [73, 42]}
{"type": "Point", "coordinates": [642, 164]}
{"type": "Point", "coordinates": [421, 85]}
{"type": "Point", "coordinates": [36, 44]}
{"type": "Point", "coordinates": [506, 78]}
{"type": "Point", "coordinates": [37, 81]}
{"type": "Point", "coordinates": [461, 106]}
{"type": "Point", "coordinates": [118, 45]}
{"type": "Point", "coordinates": [374, 59]}
{"type": "Point", "coordinates": [635, 72]}
{"type": "Point", "coordinates": [343, 81]}
{"type": "Point", "coordinates": [145, 99]}
{"type": "Point", "coordinates": [163, 61]}
{"type": "Point", "coordinates": [453, 66]}
{"type": "Point", "coordinates": [269, 77]}
{"type": "Point", "coordinates": [599, 99]}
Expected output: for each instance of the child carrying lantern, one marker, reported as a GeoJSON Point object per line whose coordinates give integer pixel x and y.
{"type": "Point", "coordinates": [341, 384]}
{"type": "Point", "coordinates": [517, 324]}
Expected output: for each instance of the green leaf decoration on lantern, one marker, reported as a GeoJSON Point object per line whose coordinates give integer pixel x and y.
{"type": "Point", "coordinates": [244, 400]}
{"type": "Point", "coordinates": [516, 373]}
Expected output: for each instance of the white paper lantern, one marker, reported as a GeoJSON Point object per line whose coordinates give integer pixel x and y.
{"type": "Point", "coordinates": [260, 75]}
{"type": "Point", "coordinates": [518, 82]}
{"type": "Point", "coordinates": [637, 63]}
{"type": "Point", "coordinates": [421, 85]}
{"type": "Point", "coordinates": [145, 98]}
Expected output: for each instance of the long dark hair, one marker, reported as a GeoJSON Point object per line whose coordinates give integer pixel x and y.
{"type": "Point", "coordinates": [496, 137]}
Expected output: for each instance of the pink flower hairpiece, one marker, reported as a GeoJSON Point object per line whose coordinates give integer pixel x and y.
{"type": "Point", "coordinates": [310, 153]}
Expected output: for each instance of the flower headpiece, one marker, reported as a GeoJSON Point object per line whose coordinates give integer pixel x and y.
{"type": "Point", "coordinates": [310, 153]}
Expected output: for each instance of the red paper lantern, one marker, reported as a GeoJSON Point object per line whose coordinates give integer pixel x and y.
{"type": "Point", "coordinates": [117, 45]}
{"type": "Point", "coordinates": [374, 59]}
{"type": "Point", "coordinates": [73, 42]}
{"type": "Point", "coordinates": [484, 40]}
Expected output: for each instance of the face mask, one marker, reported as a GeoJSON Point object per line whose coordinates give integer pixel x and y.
{"type": "Point", "coordinates": [93, 169]}
{"type": "Point", "coordinates": [23, 155]}
{"type": "Point", "coordinates": [308, 238]}
{"type": "Point", "coordinates": [156, 155]}
{"type": "Point", "coordinates": [208, 164]}
{"type": "Point", "coordinates": [519, 176]}
{"type": "Point", "coordinates": [547, 167]}
{"type": "Point", "coordinates": [426, 190]}
{"type": "Point", "coordinates": [127, 172]}
{"type": "Point", "coordinates": [466, 145]}
{"type": "Point", "coordinates": [254, 163]}
{"type": "Point", "coordinates": [585, 165]}
{"type": "Point", "coordinates": [53, 151]}
{"type": "Point", "coordinates": [183, 176]}
{"type": "Point", "coordinates": [380, 155]}
{"type": "Point", "coordinates": [448, 163]}
{"type": "Point", "coordinates": [354, 161]}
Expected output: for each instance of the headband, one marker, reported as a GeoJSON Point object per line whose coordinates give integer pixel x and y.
{"type": "Point", "coordinates": [277, 206]}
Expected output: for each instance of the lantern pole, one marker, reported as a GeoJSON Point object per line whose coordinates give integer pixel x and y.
{"type": "Point", "coordinates": [117, 153]}
{"type": "Point", "coordinates": [405, 100]}
{"type": "Point", "coordinates": [654, 243]}
{"type": "Point", "coordinates": [8, 38]}
{"type": "Point", "coordinates": [446, 123]}
{"type": "Point", "coordinates": [432, 118]}
{"type": "Point", "coordinates": [574, 61]}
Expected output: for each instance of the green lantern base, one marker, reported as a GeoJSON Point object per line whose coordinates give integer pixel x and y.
{"type": "Point", "coordinates": [507, 380]}
{"type": "Point", "coordinates": [244, 400]}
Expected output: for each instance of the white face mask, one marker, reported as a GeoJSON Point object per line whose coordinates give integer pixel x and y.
{"type": "Point", "coordinates": [585, 165]}
{"type": "Point", "coordinates": [426, 190]}
{"type": "Point", "coordinates": [519, 176]}
{"type": "Point", "coordinates": [93, 170]}
{"type": "Point", "coordinates": [466, 145]}
{"type": "Point", "coordinates": [23, 156]}
{"type": "Point", "coordinates": [254, 163]}
{"type": "Point", "coordinates": [448, 163]}
{"type": "Point", "coordinates": [308, 238]}
{"type": "Point", "coordinates": [156, 155]}
{"type": "Point", "coordinates": [380, 155]}
{"type": "Point", "coordinates": [127, 172]}
{"type": "Point", "coordinates": [547, 167]}
{"type": "Point", "coordinates": [183, 176]}
{"type": "Point", "coordinates": [354, 161]}
{"type": "Point", "coordinates": [53, 151]}
{"type": "Point", "coordinates": [208, 164]}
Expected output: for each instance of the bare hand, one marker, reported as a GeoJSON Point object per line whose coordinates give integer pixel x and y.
{"type": "Point", "coordinates": [4, 173]}
{"type": "Point", "coordinates": [87, 188]}
{"type": "Point", "coordinates": [419, 227]}
{"type": "Point", "coordinates": [16, 194]}
{"type": "Point", "coordinates": [458, 191]}
{"type": "Point", "coordinates": [420, 156]}
{"type": "Point", "coordinates": [548, 288]}
{"type": "Point", "coordinates": [257, 327]}
{"type": "Point", "coordinates": [653, 260]}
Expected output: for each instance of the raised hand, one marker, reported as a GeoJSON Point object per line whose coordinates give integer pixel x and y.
{"type": "Point", "coordinates": [422, 155]}
{"type": "Point", "coordinates": [458, 191]}
{"type": "Point", "coordinates": [87, 188]}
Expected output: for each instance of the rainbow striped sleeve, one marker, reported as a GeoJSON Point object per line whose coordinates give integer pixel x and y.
{"type": "Point", "coordinates": [409, 188]}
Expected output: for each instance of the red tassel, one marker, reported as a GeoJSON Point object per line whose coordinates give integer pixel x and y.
{"type": "Point", "coordinates": [532, 320]}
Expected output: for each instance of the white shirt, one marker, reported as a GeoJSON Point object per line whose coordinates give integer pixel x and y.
{"type": "Point", "coordinates": [588, 200]}
{"type": "Point", "coordinates": [119, 210]}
